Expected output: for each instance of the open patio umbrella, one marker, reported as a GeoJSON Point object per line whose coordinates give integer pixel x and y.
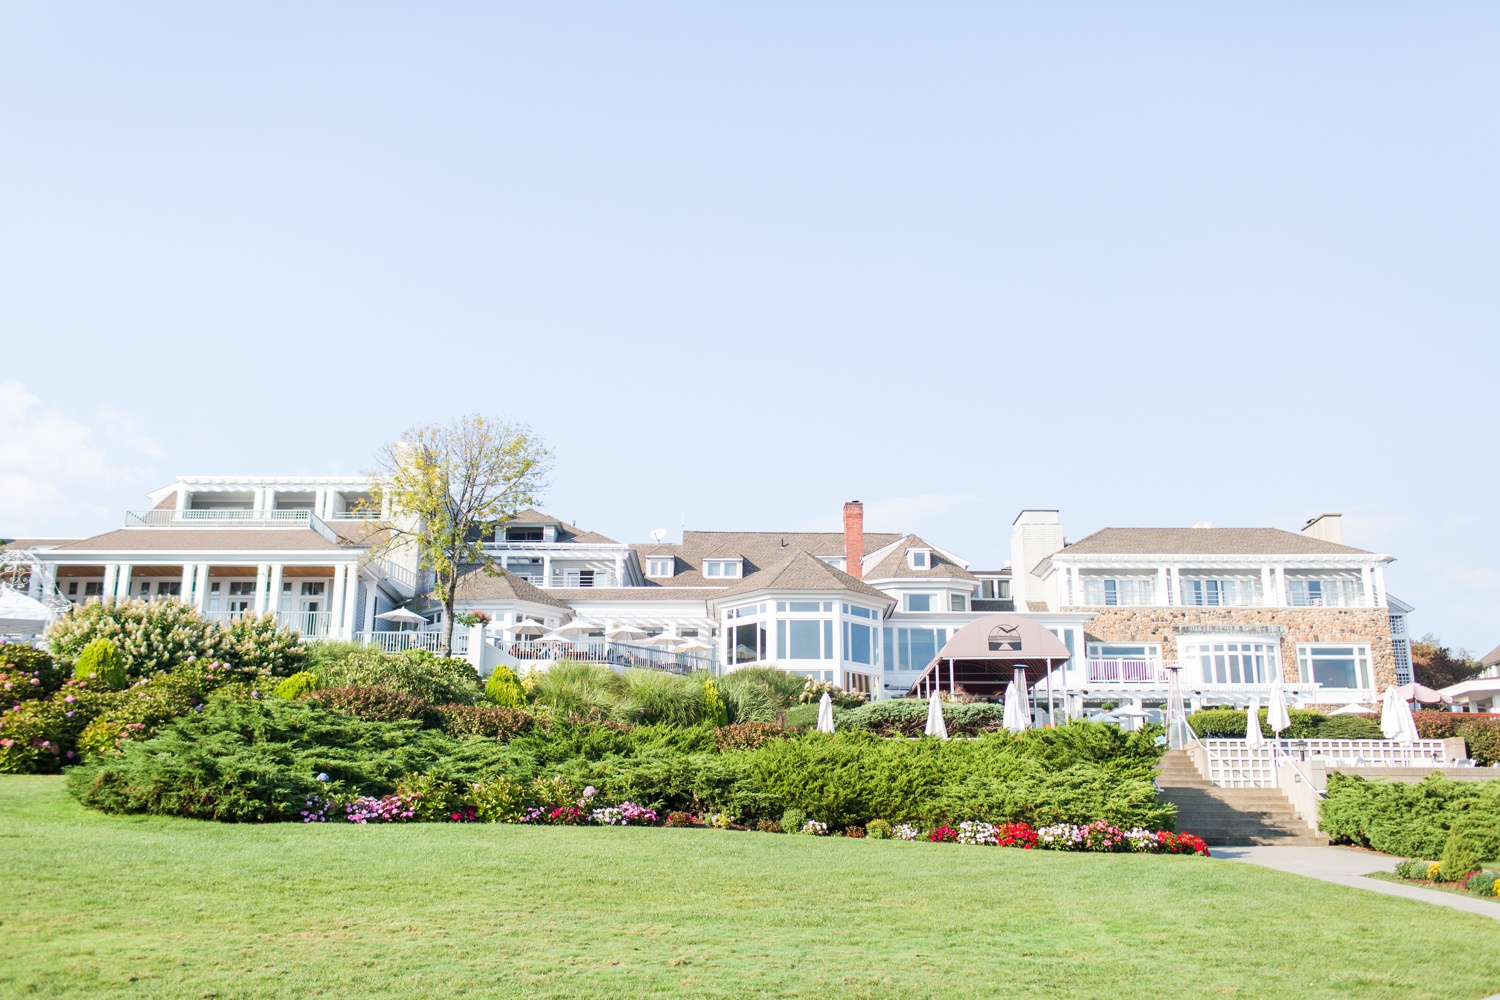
{"type": "Point", "coordinates": [695, 646]}
{"type": "Point", "coordinates": [527, 629]}
{"type": "Point", "coordinates": [935, 725]}
{"type": "Point", "coordinates": [825, 714]}
{"type": "Point", "coordinates": [1422, 693]}
{"type": "Point", "coordinates": [624, 633]}
{"type": "Point", "coordinates": [1253, 738]}
{"type": "Point", "coordinates": [576, 628]}
{"type": "Point", "coordinates": [1353, 709]}
{"type": "Point", "coordinates": [402, 616]}
{"type": "Point", "coordinates": [19, 613]}
{"type": "Point", "coordinates": [1278, 716]}
{"type": "Point", "coordinates": [664, 639]}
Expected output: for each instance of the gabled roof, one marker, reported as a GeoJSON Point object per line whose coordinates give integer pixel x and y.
{"type": "Point", "coordinates": [758, 549]}
{"type": "Point", "coordinates": [804, 572]}
{"type": "Point", "coordinates": [1205, 541]}
{"type": "Point", "coordinates": [1492, 657]}
{"type": "Point", "coordinates": [565, 531]}
{"type": "Point", "coordinates": [22, 544]}
{"type": "Point", "coordinates": [896, 566]}
{"type": "Point", "coordinates": [477, 585]}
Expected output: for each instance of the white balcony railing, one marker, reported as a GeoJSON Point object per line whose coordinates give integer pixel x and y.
{"type": "Point", "coordinates": [166, 517]}
{"type": "Point", "coordinates": [430, 640]}
{"type": "Point", "coordinates": [308, 624]}
{"type": "Point", "coordinates": [1128, 671]}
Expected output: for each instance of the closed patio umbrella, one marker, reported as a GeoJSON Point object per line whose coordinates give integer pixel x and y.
{"type": "Point", "coordinates": [1390, 721]}
{"type": "Point", "coordinates": [935, 725]}
{"type": "Point", "coordinates": [1407, 723]}
{"type": "Point", "coordinates": [1017, 715]}
{"type": "Point", "coordinates": [1253, 738]}
{"type": "Point", "coordinates": [825, 714]}
{"type": "Point", "coordinates": [1278, 716]}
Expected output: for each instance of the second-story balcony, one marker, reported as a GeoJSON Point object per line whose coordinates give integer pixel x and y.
{"type": "Point", "coordinates": [222, 517]}
{"type": "Point", "coordinates": [1151, 672]}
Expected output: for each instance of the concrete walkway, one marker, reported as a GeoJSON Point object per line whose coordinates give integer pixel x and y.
{"type": "Point", "coordinates": [1343, 866]}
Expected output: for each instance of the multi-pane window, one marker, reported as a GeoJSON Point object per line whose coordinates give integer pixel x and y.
{"type": "Point", "coordinates": [1344, 667]}
{"type": "Point", "coordinates": [804, 638]}
{"type": "Point", "coordinates": [917, 602]}
{"type": "Point", "coordinates": [527, 534]}
{"type": "Point", "coordinates": [958, 602]}
{"type": "Point", "coordinates": [660, 566]}
{"type": "Point", "coordinates": [1219, 592]}
{"type": "Point", "coordinates": [1323, 592]}
{"type": "Point", "coordinates": [1235, 662]}
{"type": "Point", "coordinates": [1124, 651]}
{"type": "Point", "coordinates": [747, 643]}
{"type": "Point", "coordinates": [994, 590]}
{"type": "Point", "coordinates": [1112, 592]}
{"type": "Point", "coordinates": [859, 643]}
{"type": "Point", "coordinates": [721, 567]}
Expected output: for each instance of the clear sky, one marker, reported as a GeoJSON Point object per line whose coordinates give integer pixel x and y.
{"type": "Point", "coordinates": [1145, 263]}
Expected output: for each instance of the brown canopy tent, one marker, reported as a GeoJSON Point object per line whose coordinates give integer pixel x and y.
{"type": "Point", "coordinates": [982, 657]}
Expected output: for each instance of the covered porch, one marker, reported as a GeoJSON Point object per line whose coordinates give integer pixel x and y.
{"type": "Point", "coordinates": [982, 658]}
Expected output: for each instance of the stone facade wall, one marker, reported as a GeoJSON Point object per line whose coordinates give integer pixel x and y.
{"type": "Point", "coordinates": [1371, 626]}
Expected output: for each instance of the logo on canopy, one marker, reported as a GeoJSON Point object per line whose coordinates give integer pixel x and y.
{"type": "Point", "coordinates": [1005, 638]}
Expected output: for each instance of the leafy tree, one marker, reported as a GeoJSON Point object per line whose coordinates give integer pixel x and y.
{"type": "Point", "coordinates": [448, 486]}
{"type": "Point", "coordinates": [1437, 666]}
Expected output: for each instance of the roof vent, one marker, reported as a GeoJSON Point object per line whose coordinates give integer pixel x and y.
{"type": "Point", "coordinates": [1203, 524]}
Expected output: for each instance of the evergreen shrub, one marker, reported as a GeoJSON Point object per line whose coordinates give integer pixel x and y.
{"type": "Point", "coordinates": [1412, 820]}
{"type": "Point", "coordinates": [503, 688]}
{"type": "Point", "coordinates": [101, 661]}
{"type": "Point", "coordinates": [297, 685]}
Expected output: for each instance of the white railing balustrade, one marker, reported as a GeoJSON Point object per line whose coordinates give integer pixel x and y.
{"type": "Point", "coordinates": [166, 517]}
{"type": "Point", "coordinates": [1129, 671]}
{"type": "Point", "coordinates": [1233, 764]}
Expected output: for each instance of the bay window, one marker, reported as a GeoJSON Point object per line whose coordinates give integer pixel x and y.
{"type": "Point", "coordinates": [1235, 662]}
{"type": "Point", "coordinates": [913, 648]}
{"type": "Point", "coordinates": [747, 642]}
{"type": "Point", "coordinates": [804, 638]}
{"type": "Point", "coordinates": [859, 643]}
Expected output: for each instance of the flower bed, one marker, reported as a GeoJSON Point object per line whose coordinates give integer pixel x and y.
{"type": "Point", "coordinates": [1481, 882]}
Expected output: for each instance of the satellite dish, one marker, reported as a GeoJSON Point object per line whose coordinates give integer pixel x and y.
{"type": "Point", "coordinates": [657, 534]}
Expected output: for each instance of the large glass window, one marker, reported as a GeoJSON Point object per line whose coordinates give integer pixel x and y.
{"type": "Point", "coordinates": [1118, 591]}
{"type": "Point", "coordinates": [913, 648]}
{"type": "Point", "coordinates": [747, 642]}
{"type": "Point", "coordinates": [859, 644]}
{"type": "Point", "coordinates": [917, 602]}
{"type": "Point", "coordinates": [1235, 662]}
{"type": "Point", "coordinates": [1344, 667]}
{"type": "Point", "coordinates": [804, 638]}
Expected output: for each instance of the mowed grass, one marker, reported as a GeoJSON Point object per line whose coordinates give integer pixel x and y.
{"type": "Point", "coordinates": [105, 906]}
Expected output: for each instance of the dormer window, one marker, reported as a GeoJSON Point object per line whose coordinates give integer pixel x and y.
{"type": "Point", "coordinates": [659, 566]}
{"type": "Point", "coordinates": [837, 562]}
{"type": "Point", "coordinates": [528, 533]}
{"type": "Point", "coordinates": [726, 568]}
{"type": "Point", "coordinates": [919, 558]}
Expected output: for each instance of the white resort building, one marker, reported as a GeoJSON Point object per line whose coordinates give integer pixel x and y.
{"type": "Point", "coordinates": [868, 611]}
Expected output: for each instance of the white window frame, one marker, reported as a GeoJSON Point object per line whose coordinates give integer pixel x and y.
{"type": "Point", "coordinates": [658, 567]}
{"type": "Point", "coordinates": [911, 558]}
{"type": "Point", "coordinates": [907, 608]}
{"type": "Point", "coordinates": [1363, 669]}
{"type": "Point", "coordinates": [728, 569]}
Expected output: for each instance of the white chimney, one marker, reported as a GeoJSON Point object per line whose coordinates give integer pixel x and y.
{"type": "Point", "coordinates": [1034, 535]}
{"type": "Point", "coordinates": [1326, 527]}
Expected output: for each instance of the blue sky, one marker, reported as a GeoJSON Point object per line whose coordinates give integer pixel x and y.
{"type": "Point", "coordinates": [1149, 264]}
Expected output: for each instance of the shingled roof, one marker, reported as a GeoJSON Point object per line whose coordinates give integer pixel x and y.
{"type": "Point", "coordinates": [203, 540]}
{"type": "Point", "coordinates": [565, 531]}
{"type": "Point", "coordinates": [759, 550]}
{"type": "Point", "coordinates": [804, 572]}
{"type": "Point", "coordinates": [477, 585]}
{"type": "Point", "coordinates": [896, 566]}
{"type": "Point", "coordinates": [1205, 541]}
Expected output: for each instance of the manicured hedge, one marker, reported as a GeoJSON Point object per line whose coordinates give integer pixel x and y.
{"type": "Point", "coordinates": [1229, 723]}
{"type": "Point", "coordinates": [1481, 733]}
{"type": "Point", "coordinates": [1413, 819]}
{"type": "Point", "coordinates": [908, 717]}
{"type": "Point", "coordinates": [260, 761]}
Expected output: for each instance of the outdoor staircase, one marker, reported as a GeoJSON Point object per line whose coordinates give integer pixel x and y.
{"type": "Point", "coordinates": [1229, 817]}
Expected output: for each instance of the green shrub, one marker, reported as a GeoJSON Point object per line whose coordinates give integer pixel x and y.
{"type": "Point", "coordinates": [1399, 818]}
{"type": "Point", "coordinates": [490, 721]}
{"type": "Point", "coordinates": [1481, 734]}
{"type": "Point", "coordinates": [1467, 850]}
{"type": "Point", "coordinates": [296, 686]}
{"type": "Point", "coordinates": [908, 717]}
{"type": "Point", "coordinates": [1229, 723]}
{"type": "Point", "coordinates": [431, 798]}
{"type": "Point", "coordinates": [792, 821]}
{"type": "Point", "coordinates": [416, 672]}
{"type": "Point", "coordinates": [1414, 868]}
{"type": "Point", "coordinates": [101, 661]}
{"type": "Point", "coordinates": [878, 829]}
{"type": "Point", "coordinates": [257, 642]}
{"type": "Point", "coordinates": [503, 688]}
{"type": "Point", "coordinates": [715, 712]}
{"type": "Point", "coordinates": [653, 697]}
{"type": "Point", "coordinates": [27, 672]}
{"type": "Point", "coordinates": [805, 716]}
{"type": "Point", "coordinates": [756, 694]}
{"type": "Point", "coordinates": [1346, 727]}
{"type": "Point", "coordinates": [578, 690]}
{"type": "Point", "coordinates": [747, 735]}
{"type": "Point", "coordinates": [500, 799]}
{"type": "Point", "coordinates": [150, 635]}
{"type": "Point", "coordinates": [1485, 883]}
{"type": "Point", "coordinates": [375, 704]}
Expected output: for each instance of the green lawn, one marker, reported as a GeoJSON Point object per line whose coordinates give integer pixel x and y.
{"type": "Point", "coordinates": [101, 906]}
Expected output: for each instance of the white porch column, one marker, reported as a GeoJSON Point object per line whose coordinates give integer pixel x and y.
{"type": "Point", "coordinates": [1279, 575]}
{"type": "Point", "coordinates": [1366, 578]}
{"type": "Point", "coordinates": [273, 596]}
{"type": "Point", "coordinates": [182, 499]}
{"type": "Point", "coordinates": [1379, 583]}
{"type": "Point", "coordinates": [1268, 587]}
{"type": "Point", "coordinates": [1174, 585]}
{"type": "Point", "coordinates": [111, 577]}
{"type": "Point", "coordinates": [546, 570]}
{"type": "Point", "coordinates": [336, 605]}
{"type": "Point", "coordinates": [189, 571]}
{"type": "Point", "coordinates": [122, 583]}
{"type": "Point", "coordinates": [1163, 586]}
{"type": "Point", "coordinates": [351, 600]}
{"type": "Point", "coordinates": [262, 575]}
{"type": "Point", "coordinates": [200, 588]}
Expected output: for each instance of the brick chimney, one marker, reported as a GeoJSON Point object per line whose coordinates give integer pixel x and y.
{"type": "Point", "coordinates": [854, 538]}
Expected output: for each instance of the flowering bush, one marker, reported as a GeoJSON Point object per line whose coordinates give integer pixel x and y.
{"type": "Point", "coordinates": [878, 829]}
{"type": "Point", "coordinates": [905, 831]}
{"type": "Point", "coordinates": [1100, 836]}
{"type": "Point", "coordinates": [150, 635]}
{"type": "Point", "coordinates": [813, 828]}
{"type": "Point", "coordinates": [943, 835]}
{"type": "Point", "coordinates": [624, 814]}
{"type": "Point", "coordinates": [1484, 883]}
{"type": "Point", "coordinates": [1016, 835]}
{"type": "Point", "coordinates": [386, 809]}
{"type": "Point", "coordinates": [1181, 843]}
{"type": "Point", "coordinates": [974, 832]}
{"type": "Point", "coordinates": [681, 819]}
